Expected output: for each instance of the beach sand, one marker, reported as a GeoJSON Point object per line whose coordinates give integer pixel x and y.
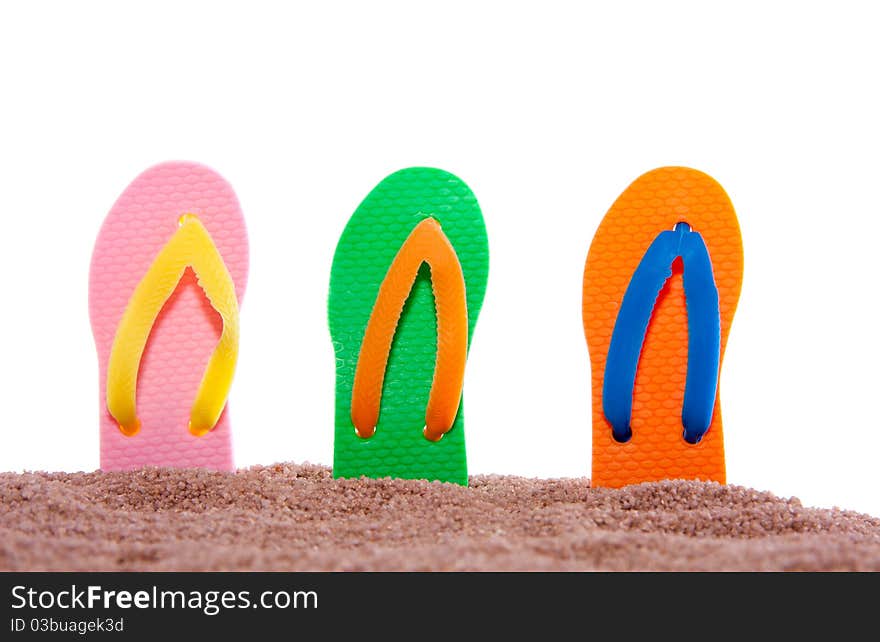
{"type": "Point", "coordinates": [297, 517]}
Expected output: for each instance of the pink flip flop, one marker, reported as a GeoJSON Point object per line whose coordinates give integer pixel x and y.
{"type": "Point", "coordinates": [181, 342]}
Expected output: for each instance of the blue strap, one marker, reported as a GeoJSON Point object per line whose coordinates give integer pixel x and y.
{"type": "Point", "coordinates": [704, 333]}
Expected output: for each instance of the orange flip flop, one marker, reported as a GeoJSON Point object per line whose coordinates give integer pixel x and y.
{"type": "Point", "coordinates": [661, 284]}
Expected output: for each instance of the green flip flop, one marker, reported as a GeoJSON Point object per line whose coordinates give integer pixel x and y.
{"type": "Point", "coordinates": [374, 240]}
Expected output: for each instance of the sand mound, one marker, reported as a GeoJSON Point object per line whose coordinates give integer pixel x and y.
{"type": "Point", "coordinates": [289, 517]}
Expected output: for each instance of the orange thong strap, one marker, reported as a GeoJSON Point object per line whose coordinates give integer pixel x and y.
{"type": "Point", "coordinates": [426, 244]}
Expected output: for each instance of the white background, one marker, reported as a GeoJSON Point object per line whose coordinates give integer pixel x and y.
{"type": "Point", "coordinates": [548, 110]}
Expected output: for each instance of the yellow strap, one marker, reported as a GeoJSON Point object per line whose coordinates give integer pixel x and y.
{"type": "Point", "coordinates": [191, 246]}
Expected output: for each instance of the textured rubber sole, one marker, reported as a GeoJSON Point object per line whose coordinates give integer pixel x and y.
{"type": "Point", "coordinates": [366, 249]}
{"type": "Point", "coordinates": [655, 202]}
{"type": "Point", "coordinates": [140, 223]}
